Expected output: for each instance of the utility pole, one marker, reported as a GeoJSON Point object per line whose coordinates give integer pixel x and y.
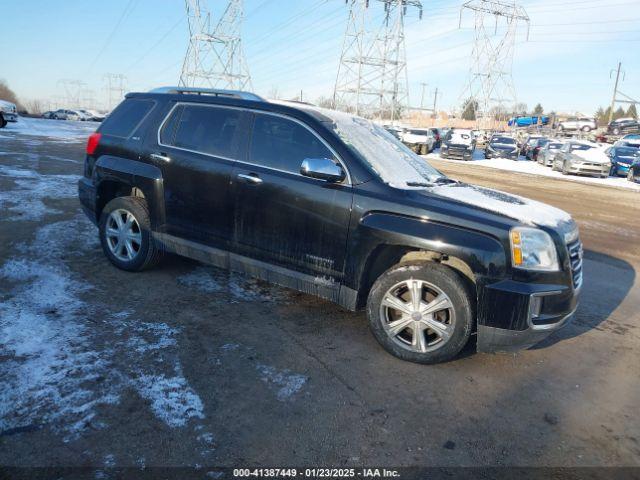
{"type": "Point", "coordinates": [490, 84]}
{"type": "Point", "coordinates": [615, 92]}
{"type": "Point", "coordinates": [372, 74]}
{"type": "Point", "coordinates": [424, 85]}
{"type": "Point", "coordinates": [215, 58]}
{"type": "Point", "coordinates": [435, 101]}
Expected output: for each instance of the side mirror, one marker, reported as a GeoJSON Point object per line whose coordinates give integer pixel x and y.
{"type": "Point", "coordinates": [322, 169]}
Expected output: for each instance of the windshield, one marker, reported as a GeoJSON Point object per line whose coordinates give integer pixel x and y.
{"type": "Point", "coordinates": [420, 132]}
{"type": "Point", "coordinates": [626, 152]}
{"type": "Point", "coordinates": [503, 140]}
{"type": "Point", "coordinates": [578, 146]}
{"type": "Point", "coordinates": [391, 161]}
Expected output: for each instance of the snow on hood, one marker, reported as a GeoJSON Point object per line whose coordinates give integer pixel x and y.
{"type": "Point", "coordinates": [460, 138]}
{"type": "Point", "coordinates": [595, 155]}
{"type": "Point", "coordinates": [529, 212]}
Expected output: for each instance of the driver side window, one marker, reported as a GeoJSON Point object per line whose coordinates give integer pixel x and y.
{"type": "Point", "coordinates": [283, 144]}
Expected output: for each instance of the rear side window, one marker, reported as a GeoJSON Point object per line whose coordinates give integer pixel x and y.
{"type": "Point", "coordinates": [126, 117]}
{"type": "Point", "coordinates": [167, 134]}
{"type": "Point", "coordinates": [283, 144]}
{"type": "Point", "coordinates": [205, 129]}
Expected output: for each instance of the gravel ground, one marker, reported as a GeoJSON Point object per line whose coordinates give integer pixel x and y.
{"type": "Point", "coordinates": [187, 365]}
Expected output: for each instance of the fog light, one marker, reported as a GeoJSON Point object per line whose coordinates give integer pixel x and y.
{"type": "Point", "coordinates": [535, 306]}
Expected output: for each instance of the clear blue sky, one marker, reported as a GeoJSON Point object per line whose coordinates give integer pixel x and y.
{"type": "Point", "coordinates": [295, 44]}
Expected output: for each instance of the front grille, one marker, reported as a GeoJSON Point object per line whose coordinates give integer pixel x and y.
{"type": "Point", "coordinates": [575, 257]}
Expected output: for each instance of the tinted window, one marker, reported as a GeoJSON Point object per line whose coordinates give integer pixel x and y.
{"type": "Point", "coordinates": [283, 144]}
{"type": "Point", "coordinates": [555, 146]}
{"type": "Point", "coordinates": [167, 134]}
{"type": "Point", "coordinates": [208, 130]}
{"type": "Point", "coordinates": [626, 152]}
{"type": "Point", "coordinates": [126, 117]}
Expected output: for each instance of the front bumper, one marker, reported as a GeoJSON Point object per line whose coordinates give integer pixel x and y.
{"type": "Point", "coordinates": [464, 154]}
{"type": "Point", "coordinates": [515, 315]}
{"type": "Point", "coordinates": [501, 154]}
{"type": "Point", "coordinates": [10, 117]}
{"type": "Point", "coordinates": [589, 169]}
{"type": "Point", "coordinates": [621, 170]}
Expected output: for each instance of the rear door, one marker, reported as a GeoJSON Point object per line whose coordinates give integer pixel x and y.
{"type": "Point", "coordinates": [285, 218]}
{"type": "Point", "coordinates": [196, 148]}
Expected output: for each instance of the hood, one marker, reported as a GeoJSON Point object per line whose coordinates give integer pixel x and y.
{"type": "Point", "coordinates": [594, 155]}
{"type": "Point", "coordinates": [525, 211]}
{"type": "Point", "coordinates": [416, 137]}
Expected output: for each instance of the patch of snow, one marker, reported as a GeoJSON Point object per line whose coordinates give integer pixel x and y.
{"type": "Point", "coordinates": [229, 347]}
{"type": "Point", "coordinates": [595, 155]}
{"type": "Point", "coordinates": [522, 209]}
{"type": "Point", "coordinates": [534, 168]}
{"type": "Point", "coordinates": [109, 460]}
{"type": "Point", "coordinates": [239, 287]}
{"type": "Point", "coordinates": [26, 200]}
{"type": "Point", "coordinates": [58, 368]}
{"type": "Point", "coordinates": [202, 279]}
{"type": "Point", "coordinates": [55, 130]}
{"type": "Point", "coordinates": [172, 399]}
{"type": "Point", "coordinates": [286, 383]}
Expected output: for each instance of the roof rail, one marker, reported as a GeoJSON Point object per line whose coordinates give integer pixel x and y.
{"type": "Point", "coordinates": [216, 92]}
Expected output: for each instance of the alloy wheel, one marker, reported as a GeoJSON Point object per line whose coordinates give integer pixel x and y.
{"type": "Point", "coordinates": [123, 234]}
{"type": "Point", "coordinates": [417, 315]}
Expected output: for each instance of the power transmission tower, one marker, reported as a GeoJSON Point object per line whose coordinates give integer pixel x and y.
{"type": "Point", "coordinates": [372, 74]}
{"type": "Point", "coordinates": [490, 87]}
{"type": "Point", "coordinates": [215, 59]}
{"type": "Point", "coordinates": [72, 92]}
{"type": "Point", "coordinates": [115, 86]}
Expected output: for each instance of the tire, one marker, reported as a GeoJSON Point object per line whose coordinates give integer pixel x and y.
{"type": "Point", "coordinates": [586, 129]}
{"type": "Point", "coordinates": [455, 321]}
{"type": "Point", "coordinates": [147, 254]}
{"type": "Point", "coordinates": [616, 131]}
{"type": "Point", "coordinates": [3, 122]}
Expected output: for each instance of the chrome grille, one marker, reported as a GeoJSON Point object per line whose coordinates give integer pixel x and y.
{"type": "Point", "coordinates": [575, 257]}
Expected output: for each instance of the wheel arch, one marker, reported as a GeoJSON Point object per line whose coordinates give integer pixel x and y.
{"type": "Point", "coordinates": [116, 177]}
{"type": "Point", "coordinates": [473, 255]}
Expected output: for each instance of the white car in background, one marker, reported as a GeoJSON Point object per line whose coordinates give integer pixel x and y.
{"type": "Point", "coordinates": [8, 113]}
{"type": "Point", "coordinates": [420, 140]}
{"type": "Point", "coordinates": [63, 114]}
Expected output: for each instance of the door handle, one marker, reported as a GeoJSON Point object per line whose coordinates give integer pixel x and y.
{"type": "Point", "coordinates": [254, 179]}
{"type": "Point", "coordinates": [160, 157]}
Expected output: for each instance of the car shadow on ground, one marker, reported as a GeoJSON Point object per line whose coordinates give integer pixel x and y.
{"type": "Point", "coordinates": [607, 283]}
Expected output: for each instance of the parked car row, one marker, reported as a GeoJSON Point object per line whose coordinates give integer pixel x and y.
{"type": "Point", "coordinates": [77, 115]}
{"type": "Point", "coordinates": [420, 140]}
{"type": "Point", "coordinates": [581, 157]}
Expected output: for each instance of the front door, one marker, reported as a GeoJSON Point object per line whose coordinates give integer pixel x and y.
{"type": "Point", "coordinates": [285, 218]}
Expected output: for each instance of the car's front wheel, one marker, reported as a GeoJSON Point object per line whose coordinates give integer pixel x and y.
{"type": "Point", "coordinates": [3, 122]}
{"type": "Point", "coordinates": [586, 129]}
{"type": "Point", "coordinates": [421, 312]}
{"type": "Point", "coordinates": [125, 234]}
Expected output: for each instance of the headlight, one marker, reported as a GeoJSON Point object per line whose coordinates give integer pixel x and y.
{"type": "Point", "coordinates": [533, 249]}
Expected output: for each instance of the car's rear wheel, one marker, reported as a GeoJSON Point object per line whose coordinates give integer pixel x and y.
{"type": "Point", "coordinates": [421, 312]}
{"type": "Point", "coordinates": [125, 234]}
{"type": "Point", "coordinates": [586, 129]}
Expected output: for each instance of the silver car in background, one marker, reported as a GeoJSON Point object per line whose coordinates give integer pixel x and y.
{"type": "Point", "coordinates": [582, 124]}
{"type": "Point", "coordinates": [548, 152]}
{"type": "Point", "coordinates": [582, 158]}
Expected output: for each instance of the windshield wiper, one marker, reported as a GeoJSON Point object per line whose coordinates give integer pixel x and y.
{"type": "Point", "coordinates": [444, 180]}
{"type": "Point", "coordinates": [419, 184]}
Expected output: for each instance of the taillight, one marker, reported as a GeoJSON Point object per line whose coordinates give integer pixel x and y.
{"type": "Point", "coordinates": [92, 143]}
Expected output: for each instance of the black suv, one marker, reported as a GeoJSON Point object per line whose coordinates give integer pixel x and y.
{"type": "Point", "coordinates": [332, 205]}
{"type": "Point", "coordinates": [624, 125]}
